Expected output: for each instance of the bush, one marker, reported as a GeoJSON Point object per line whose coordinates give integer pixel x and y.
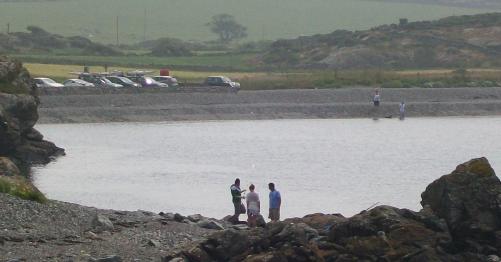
{"type": "Point", "coordinates": [10, 89]}
{"type": "Point", "coordinates": [393, 84]}
{"type": "Point", "coordinates": [170, 47]}
{"type": "Point", "coordinates": [21, 188]}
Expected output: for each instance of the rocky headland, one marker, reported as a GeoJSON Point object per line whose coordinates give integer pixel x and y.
{"type": "Point", "coordinates": [21, 145]}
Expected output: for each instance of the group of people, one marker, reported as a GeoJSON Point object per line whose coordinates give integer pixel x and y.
{"type": "Point", "coordinates": [253, 209]}
{"type": "Point", "coordinates": [376, 99]}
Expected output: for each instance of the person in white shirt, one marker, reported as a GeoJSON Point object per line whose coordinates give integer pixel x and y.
{"type": "Point", "coordinates": [253, 206]}
{"type": "Point", "coordinates": [377, 98]}
{"type": "Point", "coordinates": [402, 110]}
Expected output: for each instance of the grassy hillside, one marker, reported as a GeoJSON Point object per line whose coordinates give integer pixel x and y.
{"type": "Point", "coordinates": [452, 42]}
{"type": "Point", "coordinates": [186, 19]}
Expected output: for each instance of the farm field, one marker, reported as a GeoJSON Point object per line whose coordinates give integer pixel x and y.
{"type": "Point", "coordinates": [187, 19]}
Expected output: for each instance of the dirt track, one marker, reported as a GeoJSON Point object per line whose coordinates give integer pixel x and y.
{"type": "Point", "coordinates": [276, 104]}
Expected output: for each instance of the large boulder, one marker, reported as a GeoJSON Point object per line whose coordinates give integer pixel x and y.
{"type": "Point", "coordinates": [469, 199]}
{"type": "Point", "coordinates": [320, 222]}
{"type": "Point", "coordinates": [14, 77]}
{"type": "Point", "coordinates": [389, 232]}
{"type": "Point", "coordinates": [8, 168]}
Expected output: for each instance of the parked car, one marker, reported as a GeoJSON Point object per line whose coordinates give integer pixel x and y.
{"type": "Point", "coordinates": [146, 81]}
{"type": "Point", "coordinates": [99, 81]}
{"type": "Point", "coordinates": [222, 81]}
{"type": "Point", "coordinates": [106, 83]}
{"type": "Point", "coordinates": [43, 82]}
{"type": "Point", "coordinates": [77, 83]}
{"type": "Point", "coordinates": [171, 81]}
{"type": "Point", "coordinates": [123, 81]}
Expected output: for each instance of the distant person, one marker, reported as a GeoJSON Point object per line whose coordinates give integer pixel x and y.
{"type": "Point", "coordinates": [236, 195]}
{"type": "Point", "coordinates": [253, 206]}
{"type": "Point", "coordinates": [402, 110]}
{"type": "Point", "coordinates": [377, 98]}
{"type": "Point", "coordinates": [275, 203]}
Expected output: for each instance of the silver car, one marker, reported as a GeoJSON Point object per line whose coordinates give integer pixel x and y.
{"type": "Point", "coordinates": [77, 83]}
{"type": "Point", "coordinates": [43, 82]}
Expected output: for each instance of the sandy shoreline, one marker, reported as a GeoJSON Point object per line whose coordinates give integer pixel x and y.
{"type": "Point", "coordinates": [273, 104]}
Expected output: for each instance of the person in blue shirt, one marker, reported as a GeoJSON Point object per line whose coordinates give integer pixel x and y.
{"type": "Point", "coordinates": [275, 203]}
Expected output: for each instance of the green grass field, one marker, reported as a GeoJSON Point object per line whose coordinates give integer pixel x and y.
{"type": "Point", "coordinates": [226, 62]}
{"type": "Point", "coordinates": [186, 19]}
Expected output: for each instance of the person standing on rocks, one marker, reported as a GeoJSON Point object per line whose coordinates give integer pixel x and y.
{"type": "Point", "coordinates": [275, 203]}
{"type": "Point", "coordinates": [253, 206]}
{"type": "Point", "coordinates": [236, 195]}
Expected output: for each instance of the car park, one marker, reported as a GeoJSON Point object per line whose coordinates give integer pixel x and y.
{"type": "Point", "coordinates": [77, 83]}
{"type": "Point", "coordinates": [124, 81]}
{"type": "Point", "coordinates": [169, 80]}
{"type": "Point", "coordinates": [43, 82]}
{"type": "Point", "coordinates": [222, 81]}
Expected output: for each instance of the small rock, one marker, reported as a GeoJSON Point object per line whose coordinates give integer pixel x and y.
{"type": "Point", "coordinates": [493, 258]}
{"type": "Point", "coordinates": [154, 243]}
{"type": "Point", "coordinates": [92, 235]}
{"type": "Point", "coordinates": [210, 224]}
{"type": "Point", "coordinates": [195, 218]}
{"type": "Point", "coordinates": [240, 227]}
{"type": "Point", "coordinates": [177, 259]}
{"type": "Point", "coordinates": [101, 223]}
{"type": "Point", "coordinates": [178, 217]}
{"type": "Point", "coordinates": [260, 222]}
{"type": "Point", "coordinates": [112, 258]}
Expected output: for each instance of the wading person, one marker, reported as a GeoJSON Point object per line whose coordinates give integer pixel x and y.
{"type": "Point", "coordinates": [236, 196]}
{"type": "Point", "coordinates": [377, 98]}
{"type": "Point", "coordinates": [402, 110]}
{"type": "Point", "coordinates": [253, 206]}
{"type": "Point", "coordinates": [275, 203]}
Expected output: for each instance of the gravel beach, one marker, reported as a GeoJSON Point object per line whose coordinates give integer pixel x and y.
{"type": "Point", "coordinates": [58, 231]}
{"type": "Point", "coordinates": [271, 104]}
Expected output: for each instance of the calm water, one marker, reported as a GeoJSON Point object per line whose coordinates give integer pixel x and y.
{"type": "Point", "coordinates": [330, 166]}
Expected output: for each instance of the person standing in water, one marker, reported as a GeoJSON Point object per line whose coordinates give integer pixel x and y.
{"type": "Point", "coordinates": [236, 197]}
{"type": "Point", "coordinates": [253, 206]}
{"type": "Point", "coordinates": [402, 110]}
{"type": "Point", "coordinates": [377, 98]}
{"type": "Point", "coordinates": [275, 203]}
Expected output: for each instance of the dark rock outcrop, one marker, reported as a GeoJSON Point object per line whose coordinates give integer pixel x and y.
{"type": "Point", "coordinates": [469, 199]}
{"type": "Point", "coordinates": [459, 222]}
{"type": "Point", "coordinates": [19, 140]}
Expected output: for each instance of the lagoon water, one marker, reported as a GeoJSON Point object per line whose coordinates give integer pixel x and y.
{"type": "Point", "coordinates": [329, 166]}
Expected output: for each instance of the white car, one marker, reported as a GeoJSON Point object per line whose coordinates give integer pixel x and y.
{"type": "Point", "coordinates": [42, 82]}
{"type": "Point", "coordinates": [169, 80]}
{"type": "Point", "coordinates": [77, 83]}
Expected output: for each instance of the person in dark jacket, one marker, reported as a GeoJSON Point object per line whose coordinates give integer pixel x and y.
{"type": "Point", "coordinates": [236, 197]}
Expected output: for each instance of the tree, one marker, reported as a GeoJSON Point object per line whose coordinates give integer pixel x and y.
{"type": "Point", "coordinates": [170, 47]}
{"type": "Point", "coordinates": [227, 28]}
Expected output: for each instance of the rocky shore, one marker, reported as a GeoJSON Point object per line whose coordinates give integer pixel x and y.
{"type": "Point", "coordinates": [460, 221]}
{"type": "Point", "coordinates": [271, 104]}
